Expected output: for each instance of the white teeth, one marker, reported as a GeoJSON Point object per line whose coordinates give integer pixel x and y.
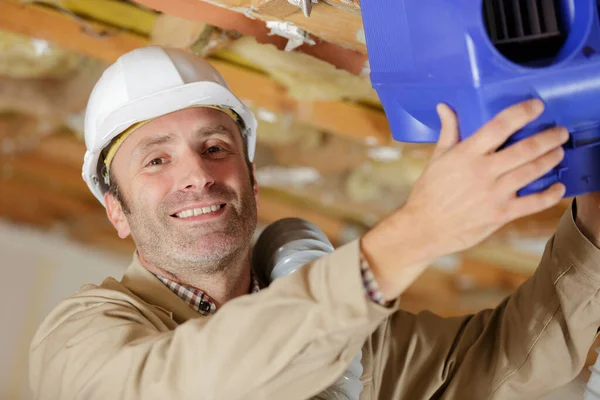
{"type": "Point", "coordinates": [197, 211]}
{"type": "Point", "coordinates": [186, 214]}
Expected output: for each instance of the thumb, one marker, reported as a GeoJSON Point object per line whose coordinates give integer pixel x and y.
{"type": "Point", "coordinates": [449, 135]}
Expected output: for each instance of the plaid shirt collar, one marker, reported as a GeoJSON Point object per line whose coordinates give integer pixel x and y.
{"type": "Point", "coordinates": [196, 298]}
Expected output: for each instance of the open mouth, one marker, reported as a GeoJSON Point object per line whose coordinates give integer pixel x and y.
{"type": "Point", "coordinates": [194, 212]}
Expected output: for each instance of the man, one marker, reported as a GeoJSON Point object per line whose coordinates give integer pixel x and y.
{"type": "Point", "coordinates": [169, 155]}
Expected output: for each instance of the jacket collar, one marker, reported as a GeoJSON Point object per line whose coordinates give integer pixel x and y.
{"type": "Point", "coordinates": [151, 290]}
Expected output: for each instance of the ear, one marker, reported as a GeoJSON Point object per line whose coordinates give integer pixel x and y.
{"type": "Point", "coordinates": [117, 217]}
{"type": "Point", "coordinates": [256, 197]}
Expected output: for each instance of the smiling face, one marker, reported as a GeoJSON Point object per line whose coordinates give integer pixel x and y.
{"type": "Point", "coordinates": [188, 198]}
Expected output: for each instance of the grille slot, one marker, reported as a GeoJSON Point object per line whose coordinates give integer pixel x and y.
{"type": "Point", "coordinates": [527, 32]}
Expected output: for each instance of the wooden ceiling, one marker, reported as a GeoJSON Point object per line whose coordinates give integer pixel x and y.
{"type": "Point", "coordinates": [41, 185]}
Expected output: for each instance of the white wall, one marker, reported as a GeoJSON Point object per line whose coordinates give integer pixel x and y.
{"type": "Point", "coordinates": [37, 271]}
{"type": "Point", "coordinates": [40, 269]}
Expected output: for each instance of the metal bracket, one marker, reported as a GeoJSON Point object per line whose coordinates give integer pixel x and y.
{"type": "Point", "coordinates": [305, 5]}
{"type": "Point", "coordinates": [296, 36]}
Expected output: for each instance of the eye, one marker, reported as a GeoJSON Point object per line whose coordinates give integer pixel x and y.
{"type": "Point", "coordinates": [157, 161]}
{"type": "Point", "coordinates": [213, 149]}
{"type": "Point", "coordinates": [215, 152]}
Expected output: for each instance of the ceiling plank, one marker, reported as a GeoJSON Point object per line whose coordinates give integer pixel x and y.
{"type": "Point", "coordinates": [43, 23]}
{"type": "Point", "coordinates": [63, 148]}
{"type": "Point", "coordinates": [345, 119]}
{"type": "Point", "coordinates": [272, 209]}
{"type": "Point", "coordinates": [193, 10]}
{"type": "Point", "coordinates": [64, 179]}
{"type": "Point", "coordinates": [37, 199]}
{"type": "Point", "coordinates": [274, 8]}
{"type": "Point", "coordinates": [113, 12]}
{"type": "Point", "coordinates": [335, 23]}
{"type": "Point", "coordinates": [352, 4]}
{"type": "Point", "coordinates": [16, 209]}
{"type": "Point", "coordinates": [479, 274]}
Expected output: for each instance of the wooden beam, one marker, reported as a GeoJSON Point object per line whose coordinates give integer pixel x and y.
{"type": "Point", "coordinates": [34, 205]}
{"type": "Point", "coordinates": [112, 12]}
{"type": "Point", "coordinates": [18, 209]}
{"type": "Point", "coordinates": [335, 24]}
{"type": "Point", "coordinates": [506, 255]}
{"type": "Point", "coordinates": [16, 126]}
{"type": "Point", "coordinates": [345, 119]}
{"type": "Point", "coordinates": [63, 148]}
{"type": "Point", "coordinates": [479, 274]}
{"type": "Point", "coordinates": [352, 4]}
{"type": "Point", "coordinates": [47, 24]}
{"type": "Point", "coordinates": [342, 118]}
{"type": "Point", "coordinates": [200, 11]}
{"type": "Point", "coordinates": [273, 208]}
{"type": "Point", "coordinates": [275, 8]}
{"type": "Point", "coordinates": [542, 224]}
{"type": "Point", "coordinates": [51, 174]}
{"type": "Point", "coordinates": [38, 199]}
{"type": "Point", "coordinates": [338, 25]}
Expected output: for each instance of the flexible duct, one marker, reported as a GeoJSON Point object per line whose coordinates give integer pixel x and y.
{"type": "Point", "coordinates": [284, 247]}
{"type": "Point", "coordinates": [592, 389]}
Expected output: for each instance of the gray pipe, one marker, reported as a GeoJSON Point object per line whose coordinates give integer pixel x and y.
{"type": "Point", "coordinates": [281, 249]}
{"type": "Point", "coordinates": [592, 389]}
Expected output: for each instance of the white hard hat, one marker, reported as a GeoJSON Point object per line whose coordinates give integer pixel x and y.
{"type": "Point", "coordinates": [144, 84]}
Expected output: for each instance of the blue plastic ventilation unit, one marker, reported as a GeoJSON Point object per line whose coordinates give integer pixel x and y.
{"type": "Point", "coordinates": [481, 56]}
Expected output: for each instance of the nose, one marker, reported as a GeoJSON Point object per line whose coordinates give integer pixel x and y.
{"type": "Point", "coordinates": [195, 173]}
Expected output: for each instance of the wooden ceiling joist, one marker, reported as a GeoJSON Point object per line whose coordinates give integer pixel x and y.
{"type": "Point", "coordinates": [338, 23]}
{"type": "Point", "coordinates": [341, 57]}
{"type": "Point", "coordinates": [346, 119]}
{"type": "Point", "coordinates": [43, 23]}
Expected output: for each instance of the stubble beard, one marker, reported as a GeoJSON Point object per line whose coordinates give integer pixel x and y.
{"type": "Point", "coordinates": [206, 248]}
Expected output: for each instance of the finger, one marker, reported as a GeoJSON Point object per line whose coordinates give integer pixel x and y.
{"type": "Point", "coordinates": [533, 170]}
{"type": "Point", "coordinates": [528, 149]}
{"type": "Point", "coordinates": [534, 203]}
{"type": "Point", "coordinates": [449, 135]}
{"type": "Point", "coordinates": [497, 131]}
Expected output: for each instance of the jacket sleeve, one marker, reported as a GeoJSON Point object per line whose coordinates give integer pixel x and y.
{"type": "Point", "coordinates": [534, 341]}
{"type": "Point", "coordinates": [289, 341]}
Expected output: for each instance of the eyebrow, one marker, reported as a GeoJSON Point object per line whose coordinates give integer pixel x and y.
{"type": "Point", "coordinates": [147, 143]}
{"type": "Point", "coordinates": [215, 130]}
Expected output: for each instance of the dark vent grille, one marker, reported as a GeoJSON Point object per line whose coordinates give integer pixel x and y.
{"type": "Point", "coordinates": [527, 32]}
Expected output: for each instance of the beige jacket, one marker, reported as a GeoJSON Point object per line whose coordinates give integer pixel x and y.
{"type": "Point", "coordinates": [135, 339]}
